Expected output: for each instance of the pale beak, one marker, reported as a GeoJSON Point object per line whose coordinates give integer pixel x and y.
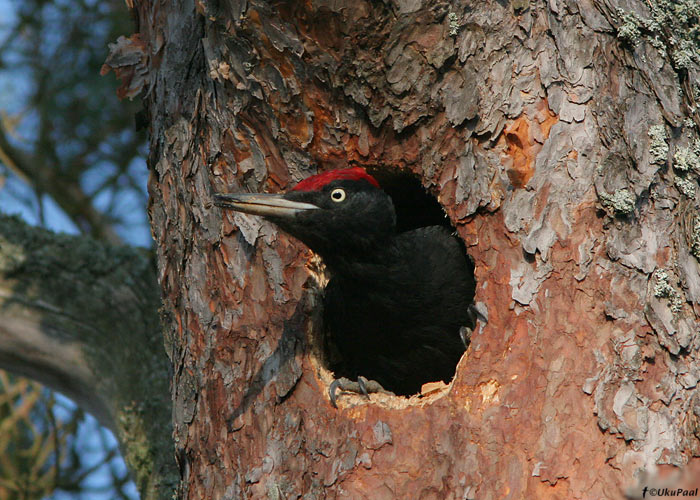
{"type": "Point", "coordinates": [268, 205]}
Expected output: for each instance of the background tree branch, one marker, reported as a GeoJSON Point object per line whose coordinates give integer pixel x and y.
{"type": "Point", "coordinates": [81, 317]}
{"type": "Point", "coordinates": [66, 191]}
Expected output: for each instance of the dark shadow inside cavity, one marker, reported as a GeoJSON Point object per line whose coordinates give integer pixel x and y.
{"type": "Point", "coordinates": [415, 207]}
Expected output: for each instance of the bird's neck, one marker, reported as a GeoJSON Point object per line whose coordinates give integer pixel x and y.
{"type": "Point", "coordinates": [367, 266]}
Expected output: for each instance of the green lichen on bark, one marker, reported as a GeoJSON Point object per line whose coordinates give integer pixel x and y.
{"type": "Point", "coordinates": [454, 23]}
{"type": "Point", "coordinates": [658, 147]}
{"type": "Point", "coordinates": [687, 159]}
{"type": "Point", "coordinates": [673, 27]}
{"type": "Point", "coordinates": [628, 29]}
{"type": "Point", "coordinates": [664, 289]}
{"type": "Point", "coordinates": [686, 162]}
{"type": "Point", "coordinates": [695, 237]}
{"type": "Point", "coordinates": [621, 201]}
{"type": "Point", "coordinates": [685, 185]}
{"type": "Point", "coordinates": [105, 299]}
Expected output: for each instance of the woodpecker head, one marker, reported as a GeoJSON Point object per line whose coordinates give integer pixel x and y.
{"type": "Point", "coordinates": [338, 214]}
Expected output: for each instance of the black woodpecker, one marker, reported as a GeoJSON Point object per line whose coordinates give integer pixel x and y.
{"type": "Point", "coordinates": [398, 306]}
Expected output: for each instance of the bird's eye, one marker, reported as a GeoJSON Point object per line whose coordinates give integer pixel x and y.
{"type": "Point", "coordinates": [338, 195]}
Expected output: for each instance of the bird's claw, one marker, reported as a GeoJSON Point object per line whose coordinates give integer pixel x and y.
{"type": "Point", "coordinates": [362, 382]}
{"type": "Point", "coordinates": [474, 315]}
{"type": "Point", "coordinates": [465, 333]}
{"type": "Point", "coordinates": [361, 386]}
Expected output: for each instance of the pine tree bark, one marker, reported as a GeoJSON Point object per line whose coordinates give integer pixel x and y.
{"type": "Point", "coordinates": [533, 123]}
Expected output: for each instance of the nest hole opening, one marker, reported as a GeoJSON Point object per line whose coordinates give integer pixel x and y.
{"type": "Point", "coordinates": [415, 208]}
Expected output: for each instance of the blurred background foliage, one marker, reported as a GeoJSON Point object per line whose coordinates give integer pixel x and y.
{"type": "Point", "coordinates": [71, 160]}
{"type": "Point", "coordinates": [67, 144]}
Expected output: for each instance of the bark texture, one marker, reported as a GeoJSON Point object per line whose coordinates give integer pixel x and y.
{"type": "Point", "coordinates": [533, 124]}
{"type": "Point", "coordinates": [81, 317]}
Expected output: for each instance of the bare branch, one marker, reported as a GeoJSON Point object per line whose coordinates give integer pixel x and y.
{"type": "Point", "coordinates": [66, 192]}
{"type": "Point", "coordinates": [81, 317]}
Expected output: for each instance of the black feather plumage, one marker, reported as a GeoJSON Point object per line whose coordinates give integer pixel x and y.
{"type": "Point", "coordinates": [397, 319]}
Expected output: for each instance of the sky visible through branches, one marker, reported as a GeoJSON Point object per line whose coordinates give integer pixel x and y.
{"type": "Point", "coordinates": [72, 161]}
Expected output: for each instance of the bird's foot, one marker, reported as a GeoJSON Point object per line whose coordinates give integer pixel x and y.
{"type": "Point", "coordinates": [465, 333]}
{"type": "Point", "coordinates": [474, 315]}
{"type": "Point", "coordinates": [361, 386]}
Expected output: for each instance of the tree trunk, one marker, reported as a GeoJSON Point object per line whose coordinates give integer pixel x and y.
{"type": "Point", "coordinates": [548, 131]}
